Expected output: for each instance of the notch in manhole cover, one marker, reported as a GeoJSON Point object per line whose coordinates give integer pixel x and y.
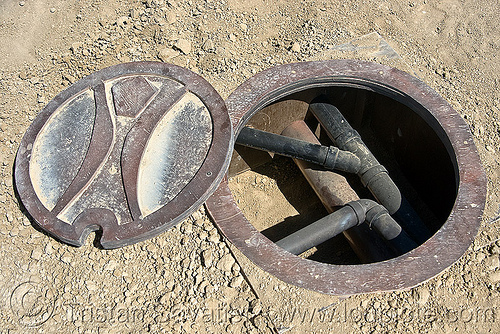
{"type": "Point", "coordinates": [130, 150]}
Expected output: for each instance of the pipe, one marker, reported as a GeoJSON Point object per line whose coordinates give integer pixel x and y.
{"type": "Point", "coordinates": [373, 175]}
{"type": "Point", "coordinates": [319, 231]}
{"type": "Point", "coordinates": [329, 157]}
{"type": "Point", "coordinates": [334, 191]}
{"type": "Point", "coordinates": [352, 214]}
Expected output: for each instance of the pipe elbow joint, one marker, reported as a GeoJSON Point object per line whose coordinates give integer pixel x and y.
{"type": "Point", "coordinates": [380, 184]}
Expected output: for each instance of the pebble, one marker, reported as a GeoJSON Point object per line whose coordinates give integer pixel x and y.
{"type": "Point", "coordinates": [197, 215]}
{"type": "Point", "coordinates": [255, 306]}
{"type": "Point", "coordinates": [203, 235]}
{"type": "Point", "coordinates": [214, 238]}
{"type": "Point", "coordinates": [493, 262]}
{"type": "Point", "coordinates": [91, 286]}
{"type": "Point", "coordinates": [165, 298]}
{"type": "Point", "coordinates": [66, 259]}
{"type": "Point", "coordinates": [170, 285]}
{"type": "Point", "coordinates": [208, 46]}
{"type": "Point", "coordinates": [495, 277]}
{"type": "Point", "coordinates": [36, 254]}
{"type": "Point", "coordinates": [171, 17]}
{"type": "Point", "coordinates": [111, 265]}
{"type": "Point", "coordinates": [207, 258]}
{"type": "Point", "coordinates": [75, 46]}
{"type": "Point", "coordinates": [52, 10]}
{"type": "Point", "coordinates": [183, 45]}
{"type": "Point", "coordinates": [22, 3]}
{"type": "Point", "coordinates": [166, 54]}
{"type": "Point", "coordinates": [423, 296]}
{"type": "Point", "coordinates": [295, 47]}
{"type": "Point", "coordinates": [235, 319]}
{"type": "Point", "coordinates": [122, 21]}
{"type": "Point", "coordinates": [226, 263]}
{"type": "Point", "coordinates": [236, 282]}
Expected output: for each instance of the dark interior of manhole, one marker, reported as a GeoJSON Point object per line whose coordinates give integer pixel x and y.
{"type": "Point", "coordinates": [277, 199]}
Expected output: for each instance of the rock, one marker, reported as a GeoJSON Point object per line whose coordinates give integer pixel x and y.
{"type": "Point", "coordinates": [91, 286]}
{"type": "Point", "coordinates": [75, 46]}
{"type": "Point", "coordinates": [197, 215]}
{"type": "Point", "coordinates": [9, 216]}
{"type": "Point", "coordinates": [49, 249]}
{"type": "Point", "coordinates": [66, 258]}
{"type": "Point", "coordinates": [295, 47]}
{"type": "Point", "coordinates": [243, 26]}
{"type": "Point", "coordinates": [171, 17]}
{"type": "Point", "coordinates": [207, 258]}
{"type": "Point", "coordinates": [480, 256]}
{"type": "Point", "coordinates": [165, 298]}
{"type": "Point", "coordinates": [36, 254]}
{"type": "Point", "coordinates": [52, 10]}
{"type": "Point", "coordinates": [235, 319]}
{"type": "Point", "coordinates": [236, 282]}
{"type": "Point", "coordinates": [226, 263]}
{"type": "Point", "coordinates": [495, 277]}
{"type": "Point", "coordinates": [122, 21]}
{"type": "Point", "coordinates": [183, 45]}
{"type": "Point", "coordinates": [493, 262]}
{"type": "Point", "coordinates": [166, 54]}
{"type": "Point", "coordinates": [232, 37]}
{"type": "Point", "coordinates": [69, 78]}
{"type": "Point", "coordinates": [423, 296]}
{"type": "Point", "coordinates": [255, 306]}
{"type": "Point", "coordinates": [208, 46]}
{"type": "Point", "coordinates": [260, 322]}
{"type": "Point", "coordinates": [111, 265]}
{"type": "Point", "coordinates": [21, 3]}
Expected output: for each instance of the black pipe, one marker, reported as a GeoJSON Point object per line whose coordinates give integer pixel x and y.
{"type": "Point", "coordinates": [352, 214]}
{"type": "Point", "coordinates": [319, 231]}
{"type": "Point", "coordinates": [329, 157]}
{"type": "Point", "coordinates": [373, 175]}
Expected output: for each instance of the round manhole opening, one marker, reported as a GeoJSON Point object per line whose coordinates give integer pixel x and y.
{"type": "Point", "coordinates": [415, 135]}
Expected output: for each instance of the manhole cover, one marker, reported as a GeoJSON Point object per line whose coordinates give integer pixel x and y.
{"type": "Point", "coordinates": [130, 150]}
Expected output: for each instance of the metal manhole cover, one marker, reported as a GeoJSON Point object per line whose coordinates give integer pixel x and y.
{"type": "Point", "coordinates": [131, 150]}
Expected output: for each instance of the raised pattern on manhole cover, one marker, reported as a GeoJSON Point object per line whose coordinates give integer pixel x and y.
{"type": "Point", "coordinates": [132, 149]}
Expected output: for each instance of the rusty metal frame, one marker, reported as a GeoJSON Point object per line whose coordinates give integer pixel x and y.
{"type": "Point", "coordinates": [445, 247]}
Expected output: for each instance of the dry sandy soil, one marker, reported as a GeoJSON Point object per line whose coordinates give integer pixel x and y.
{"type": "Point", "coordinates": [189, 279]}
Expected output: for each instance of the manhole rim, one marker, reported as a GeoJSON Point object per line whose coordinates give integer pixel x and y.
{"type": "Point", "coordinates": [406, 271]}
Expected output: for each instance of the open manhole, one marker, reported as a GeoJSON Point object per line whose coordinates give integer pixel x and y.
{"type": "Point", "coordinates": [421, 141]}
{"type": "Point", "coordinates": [135, 148]}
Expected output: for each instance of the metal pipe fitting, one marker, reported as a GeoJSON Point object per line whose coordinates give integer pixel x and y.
{"type": "Point", "coordinates": [373, 175]}
{"type": "Point", "coordinates": [331, 157]}
{"type": "Point", "coordinates": [352, 214]}
{"type": "Point", "coordinates": [334, 191]}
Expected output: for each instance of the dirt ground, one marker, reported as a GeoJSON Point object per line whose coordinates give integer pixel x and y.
{"type": "Point", "coordinates": [189, 279]}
